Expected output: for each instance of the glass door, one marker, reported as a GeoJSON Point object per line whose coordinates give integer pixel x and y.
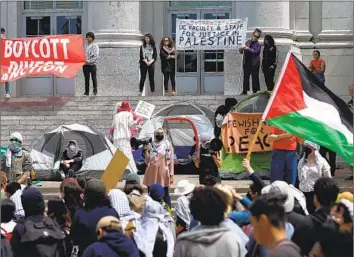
{"type": "Point", "coordinates": [66, 24]}
{"type": "Point", "coordinates": [199, 72]}
{"type": "Point", "coordinates": [187, 65]}
{"type": "Point", "coordinates": [36, 26]}
{"type": "Point", "coordinates": [212, 61]}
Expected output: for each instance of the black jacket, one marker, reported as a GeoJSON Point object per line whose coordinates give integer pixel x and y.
{"type": "Point", "coordinates": [6, 249]}
{"type": "Point", "coordinates": [154, 55]}
{"type": "Point", "coordinates": [307, 230]}
{"type": "Point", "coordinates": [269, 57]}
{"type": "Point", "coordinates": [167, 65]}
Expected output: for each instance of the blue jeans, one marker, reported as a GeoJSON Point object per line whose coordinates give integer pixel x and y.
{"type": "Point", "coordinates": [7, 88]}
{"type": "Point", "coordinates": [320, 77]}
{"type": "Point", "coordinates": [283, 166]}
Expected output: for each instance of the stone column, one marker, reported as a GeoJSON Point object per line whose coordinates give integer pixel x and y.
{"type": "Point", "coordinates": [117, 29]}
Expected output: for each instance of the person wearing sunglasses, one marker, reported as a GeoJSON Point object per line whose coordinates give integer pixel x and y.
{"type": "Point", "coordinates": [251, 62]}
{"type": "Point", "coordinates": [16, 163]}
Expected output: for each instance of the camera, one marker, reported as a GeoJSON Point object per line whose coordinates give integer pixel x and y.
{"type": "Point", "coordinates": [135, 143]}
{"type": "Point", "coordinates": [214, 145]}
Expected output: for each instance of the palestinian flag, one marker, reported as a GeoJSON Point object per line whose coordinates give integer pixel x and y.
{"type": "Point", "coordinates": [302, 106]}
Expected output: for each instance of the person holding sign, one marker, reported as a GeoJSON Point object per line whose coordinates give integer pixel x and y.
{"type": "Point", "coordinates": [251, 62]}
{"type": "Point", "coordinates": [168, 63]}
{"type": "Point", "coordinates": [148, 55]}
{"type": "Point", "coordinates": [160, 166]}
{"type": "Point", "coordinates": [122, 123]}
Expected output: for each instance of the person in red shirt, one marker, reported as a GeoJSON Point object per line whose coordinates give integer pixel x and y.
{"type": "Point", "coordinates": [284, 158]}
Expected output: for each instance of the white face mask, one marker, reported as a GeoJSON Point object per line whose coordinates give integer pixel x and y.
{"type": "Point", "coordinates": [72, 147]}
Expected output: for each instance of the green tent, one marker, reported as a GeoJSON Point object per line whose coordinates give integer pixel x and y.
{"type": "Point", "coordinates": [260, 161]}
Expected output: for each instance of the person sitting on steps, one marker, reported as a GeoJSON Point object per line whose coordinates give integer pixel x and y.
{"type": "Point", "coordinates": [71, 160]}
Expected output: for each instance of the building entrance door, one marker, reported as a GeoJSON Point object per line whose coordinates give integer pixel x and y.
{"type": "Point", "coordinates": [49, 24]}
{"type": "Point", "coordinates": [199, 72]}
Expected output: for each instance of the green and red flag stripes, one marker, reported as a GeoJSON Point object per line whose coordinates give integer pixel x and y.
{"type": "Point", "coordinates": [302, 106]}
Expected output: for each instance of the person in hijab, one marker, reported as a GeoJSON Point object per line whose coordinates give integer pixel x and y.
{"type": "Point", "coordinates": [16, 162]}
{"type": "Point", "coordinates": [123, 121]}
{"type": "Point", "coordinates": [156, 233]}
{"type": "Point", "coordinates": [111, 242]}
{"type": "Point", "coordinates": [71, 160]}
{"type": "Point", "coordinates": [157, 193]}
{"type": "Point", "coordinates": [96, 206]}
{"type": "Point", "coordinates": [208, 161]}
{"type": "Point", "coordinates": [311, 167]}
{"type": "Point", "coordinates": [183, 214]}
{"type": "Point", "coordinates": [127, 218]}
{"type": "Point", "coordinates": [159, 157]}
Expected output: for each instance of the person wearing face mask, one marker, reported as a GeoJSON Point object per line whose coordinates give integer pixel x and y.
{"type": "Point", "coordinates": [16, 163]}
{"type": "Point", "coordinates": [71, 160]}
{"type": "Point", "coordinates": [160, 166]}
{"type": "Point", "coordinates": [208, 161]}
{"type": "Point", "coordinates": [311, 167]}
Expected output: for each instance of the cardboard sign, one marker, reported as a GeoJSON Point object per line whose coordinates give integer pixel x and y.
{"type": "Point", "coordinates": [61, 55]}
{"type": "Point", "coordinates": [210, 34]}
{"type": "Point", "coordinates": [144, 109]}
{"type": "Point", "coordinates": [115, 170]}
{"type": "Point", "coordinates": [238, 130]}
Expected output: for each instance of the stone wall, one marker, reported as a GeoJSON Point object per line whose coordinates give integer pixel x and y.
{"type": "Point", "coordinates": [33, 117]}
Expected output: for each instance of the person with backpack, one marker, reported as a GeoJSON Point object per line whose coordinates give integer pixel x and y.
{"type": "Point", "coordinates": [111, 241]}
{"type": "Point", "coordinates": [7, 215]}
{"type": "Point", "coordinates": [37, 235]}
{"type": "Point", "coordinates": [96, 206]}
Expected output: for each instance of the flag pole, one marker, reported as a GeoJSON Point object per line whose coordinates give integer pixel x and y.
{"type": "Point", "coordinates": [253, 142]}
{"type": "Point", "coordinates": [248, 156]}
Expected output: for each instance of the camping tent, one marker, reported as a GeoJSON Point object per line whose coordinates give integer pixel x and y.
{"type": "Point", "coordinates": [183, 122]}
{"type": "Point", "coordinates": [232, 163]}
{"type": "Point", "coordinates": [46, 153]}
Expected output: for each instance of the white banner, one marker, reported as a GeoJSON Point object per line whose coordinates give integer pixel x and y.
{"type": "Point", "coordinates": [210, 34]}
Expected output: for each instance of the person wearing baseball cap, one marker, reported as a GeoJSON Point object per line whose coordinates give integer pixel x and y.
{"type": "Point", "coordinates": [111, 240]}
{"type": "Point", "coordinates": [16, 162]}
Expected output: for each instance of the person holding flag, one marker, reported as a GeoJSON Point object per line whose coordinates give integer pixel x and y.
{"type": "Point", "coordinates": [304, 107]}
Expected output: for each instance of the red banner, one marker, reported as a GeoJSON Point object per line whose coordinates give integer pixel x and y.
{"type": "Point", "coordinates": [61, 55]}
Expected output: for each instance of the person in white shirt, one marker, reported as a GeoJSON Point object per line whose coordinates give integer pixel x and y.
{"type": "Point", "coordinates": [311, 167]}
{"type": "Point", "coordinates": [7, 84]}
{"type": "Point", "coordinates": [92, 52]}
{"type": "Point", "coordinates": [122, 123]}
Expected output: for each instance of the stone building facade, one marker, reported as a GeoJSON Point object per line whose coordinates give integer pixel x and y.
{"type": "Point", "coordinates": [299, 26]}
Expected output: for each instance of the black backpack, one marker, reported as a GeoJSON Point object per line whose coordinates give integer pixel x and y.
{"type": "Point", "coordinates": [45, 238]}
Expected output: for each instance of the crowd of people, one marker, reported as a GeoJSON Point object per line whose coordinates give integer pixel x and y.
{"type": "Point", "coordinates": [209, 220]}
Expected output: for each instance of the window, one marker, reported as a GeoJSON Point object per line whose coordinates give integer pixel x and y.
{"type": "Point", "coordinates": [43, 5]}
{"type": "Point", "coordinates": [38, 26]}
{"type": "Point", "coordinates": [68, 25]}
{"type": "Point", "coordinates": [200, 3]}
